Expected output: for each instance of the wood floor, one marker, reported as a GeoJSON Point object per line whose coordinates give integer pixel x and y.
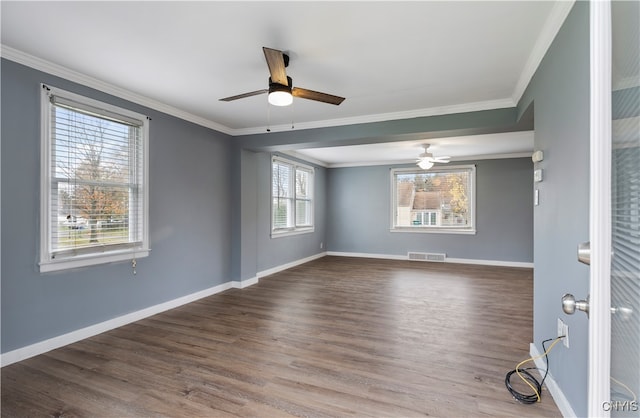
{"type": "Point", "coordinates": [334, 337]}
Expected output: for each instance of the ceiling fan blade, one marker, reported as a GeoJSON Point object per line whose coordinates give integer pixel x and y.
{"type": "Point", "coordinates": [442, 159]}
{"type": "Point", "coordinates": [317, 96]}
{"type": "Point", "coordinates": [243, 95]}
{"type": "Point", "coordinates": [275, 61]}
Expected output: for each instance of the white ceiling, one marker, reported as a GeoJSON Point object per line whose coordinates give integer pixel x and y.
{"type": "Point", "coordinates": [391, 60]}
{"type": "Point", "coordinates": [510, 144]}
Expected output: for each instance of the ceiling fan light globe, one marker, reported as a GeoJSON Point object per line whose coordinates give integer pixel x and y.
{"type": "Point", "coordinates": [280, 98]}
{"type": "Point", "coordinates": [425, 164]}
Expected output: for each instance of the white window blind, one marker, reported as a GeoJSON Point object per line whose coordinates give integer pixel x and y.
{"type": "Point", "coordinates": [292, 196]}
{"type": "Point", "coordinates": [94, 181]}
{"type": "Point", "coordinates": [625, 211]}
{"type": "Point", "coordinates": [436, 200]}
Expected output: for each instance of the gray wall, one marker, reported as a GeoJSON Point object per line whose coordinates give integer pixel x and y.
{"type": "Point", "coordinates": [244, 248]}
{"type": "Point", "coordinates": [190, 221]}
{"type": "Point", "coordinates": [560, 95]}
{"type": "Point", "coordinates": [359, 211]}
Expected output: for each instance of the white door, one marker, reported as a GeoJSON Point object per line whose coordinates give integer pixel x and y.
{"type": "Point", "coordinates": [614, 305]}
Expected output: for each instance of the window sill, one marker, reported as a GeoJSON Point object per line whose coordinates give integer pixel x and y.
{"type": "Point", "coordinates": [91, 260]}
{"type": "Point", "coordinates": [435, 231]}
{"type": "Point", "coordinates": [288, 233]}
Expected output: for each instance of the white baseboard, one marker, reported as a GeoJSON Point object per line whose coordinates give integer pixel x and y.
{"type": "Point", "coordinates": [41, 347]}
{"type": "Point", "coordinates": [497, 263]}
{"type": "Point", "coordinates": [447, 260]}
{"type": "Point", "coordinates": [556, 393]}
{"type": "Point", "coordinates": [286, 266]}
{"type": "Point", "coordinates": [368, 255]}
{"type": "Point", "coordinates": [244, 283]}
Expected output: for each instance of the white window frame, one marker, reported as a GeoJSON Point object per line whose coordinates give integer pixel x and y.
{"type": "Point", "coordinates": [99, 254]}
{"type": "Point", "coordinates": [429, 229]}
{"type": "Point", "coordinates": [293, 229]}
{"type": "Point", "coordinates": [430, 216]}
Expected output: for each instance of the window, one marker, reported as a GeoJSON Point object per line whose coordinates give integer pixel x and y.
{"type": "Point", "coordinates": [291, 196]}
{"type": "Point", "coordinates": [94, 182]}
{"type": "Point", "coordinates": [426, 218]}
{"type": "Point", "coordinates": [437, 200]}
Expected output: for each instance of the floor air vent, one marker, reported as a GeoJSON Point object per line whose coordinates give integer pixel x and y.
{"type": "Point", "coordinates": [434, 257]}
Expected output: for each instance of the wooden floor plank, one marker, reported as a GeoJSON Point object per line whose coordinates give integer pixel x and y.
{"type": "Point", "coordinates": [331, 338]}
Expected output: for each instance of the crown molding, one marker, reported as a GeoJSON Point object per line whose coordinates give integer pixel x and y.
{"type": "Point", "coordinates": [370, 163]}
{"type": "Point", "coordinates": [295, 154]}
{"type": "Point", "coordinates": [554, 22]}
{"type": "Point", "coordinates": [412, 161]}
{"type": "Point", "coordinates": [40, 64]}
{"type": "Point", "coordinates": [381, 117]}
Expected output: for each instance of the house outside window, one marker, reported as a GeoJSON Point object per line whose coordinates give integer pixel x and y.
{"type": "Point", "coordinates": [431, 218]}
{"type": "Point", "coordinates": [291, 197]}
{"type": "Point", "coordinates": [438, 200]}
{"type": "Point", "coordinates": [94, 190]}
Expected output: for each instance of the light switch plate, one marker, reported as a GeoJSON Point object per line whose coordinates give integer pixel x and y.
{"type": "Point", "coordinates": [537, 175]}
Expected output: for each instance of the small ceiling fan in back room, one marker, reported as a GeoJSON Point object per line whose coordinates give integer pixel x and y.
{"type": "Point", "coordinates": [426, 160]}
{"type": "Point", "coordinates": [281, 90]}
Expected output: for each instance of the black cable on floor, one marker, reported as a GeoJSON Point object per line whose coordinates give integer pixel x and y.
{"type": "Point", "coordinates": [528, 378]}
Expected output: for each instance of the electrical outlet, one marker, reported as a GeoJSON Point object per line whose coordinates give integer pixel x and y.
{"type": "Point", "coordinates": [563, 330]}
{"type": "Point", "coordinates": [321, 245]}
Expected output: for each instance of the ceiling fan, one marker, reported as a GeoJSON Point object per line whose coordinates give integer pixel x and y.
{"type": "Point", "coordinates": [426, 160]}
{"type": "Point", "coordinates": [281, 90]}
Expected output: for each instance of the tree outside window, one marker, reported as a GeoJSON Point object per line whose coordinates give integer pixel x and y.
{"type": "Point", "coordinates": [94, 177]}
{"type": "Point", "coordinates": [438, 200]}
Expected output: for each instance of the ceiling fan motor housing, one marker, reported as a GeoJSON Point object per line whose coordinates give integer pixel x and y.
{"type": "Point", "coordinates": [280, 87]}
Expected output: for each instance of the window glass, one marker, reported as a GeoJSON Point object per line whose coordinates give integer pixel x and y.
{"type": "Point", "coordinates": [94, 191]}
{"type": "Point", "coordinates": [291, 196]}
{"type": "Point", "coordinates": [439, 199]}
